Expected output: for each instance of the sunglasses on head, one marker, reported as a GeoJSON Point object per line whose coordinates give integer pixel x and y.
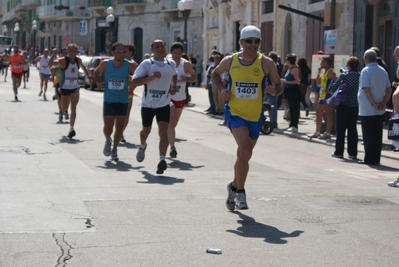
{"type": "Point", "coordinates": [250, 41]}
{"type": "Point", "coordinates": [119, 51]}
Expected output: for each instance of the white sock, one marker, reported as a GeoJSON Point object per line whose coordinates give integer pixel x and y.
{"type": "Point", "coordinates": [71, 129]}
{"type": "Point", "coordinates": [143, 146]}
{"type": "Point", "coordinates": [161, 158]}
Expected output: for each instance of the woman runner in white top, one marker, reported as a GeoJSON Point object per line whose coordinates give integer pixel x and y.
{"type": "Point", "coordinates": [44, 71]}
{"type": "Point", "coordinates": [185, 74]}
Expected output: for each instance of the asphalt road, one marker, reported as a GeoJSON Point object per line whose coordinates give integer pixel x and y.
{"type": "Point", "coordinates": [62, 203]}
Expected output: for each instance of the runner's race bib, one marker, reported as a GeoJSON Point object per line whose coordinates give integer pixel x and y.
{"type": "Point", "coordinates": [17, 65]}
{"type": "Point", "coordinates": [246, 90]}
{"type": "Point", "coordinates": [156, 95]}
{"type": "Point", "coordinates": [116, 84]}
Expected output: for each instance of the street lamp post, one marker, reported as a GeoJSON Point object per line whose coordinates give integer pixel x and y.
{"type": "Point", "coordinates": [185, 6]}
{"type": "Point", "coordinates": [34, 28]}
{"type": "Point", "coordinates": [16, 30]}
{"type": "Point", "coordinates": [110, 18]}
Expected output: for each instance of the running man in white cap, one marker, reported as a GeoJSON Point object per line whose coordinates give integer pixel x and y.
{"type": "Point", "coordinates": [251, 75]}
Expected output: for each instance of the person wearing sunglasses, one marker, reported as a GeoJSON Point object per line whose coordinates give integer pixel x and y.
{"type": "Point", "coordinates": [115, 82]}
{"type": "Point", "coordinates": [69, 85]}
{"type": "Point", "coordinates": [251, 75]}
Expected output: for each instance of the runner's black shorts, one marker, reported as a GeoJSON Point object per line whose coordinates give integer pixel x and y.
{"type": "Point", "coordinates": [114, 109]}
{"type": "Point", "coordinates": [69, 91]}
{"type": "Point", "coordinates": [161, 114]}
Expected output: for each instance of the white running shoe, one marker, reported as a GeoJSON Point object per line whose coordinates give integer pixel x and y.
{"type": "Point", "coordinates": [315, 135]}
{"type": "Point", "coordinates": [241, 201]}
{"type": "Point", "coordinates": [107, 148]}
{"type": "Point", "coordinates": [141, 153]}
{"type": "Point", "coordinates": [394, 183]}
{"type": "Point", "coordinates": [325, 136]}
{"type": "Point", "coordinates": [114, 154]}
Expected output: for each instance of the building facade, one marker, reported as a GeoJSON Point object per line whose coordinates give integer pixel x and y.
{"type": "Point", "coordinates": [211, 24]}
{"type": "Point", "coordinates": [140, 22]}
{"type": "Point", "coordinates": [57, 22]}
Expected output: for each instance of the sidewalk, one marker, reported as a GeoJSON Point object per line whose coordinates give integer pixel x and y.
{"type": "Point", "coordinates": [307, 125]}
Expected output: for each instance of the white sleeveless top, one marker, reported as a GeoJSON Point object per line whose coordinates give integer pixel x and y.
{"type": "Point", "coordinates": [43, 63]}
{"type": "Point", "coordinates": [69, 76]}
{"type": "Point", "coordinates": [180, 86]}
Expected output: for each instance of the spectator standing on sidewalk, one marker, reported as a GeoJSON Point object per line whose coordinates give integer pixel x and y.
{"type": "Point", "coordinates": [248, 70]}
{"type": "Point", "coordinates": [292, 92]}
{"type": "Point", "coordinates": [304, 85]}
{"type": "Point", "coordinates": [374, 93]}
{"type": "Point", "coordinates": [324, 79]}
{"type": "Point", "coordinates": [199, 69]}
{"type": "Point", "coordinates": [346, 115]}
{"type": "Point", "coordinates": [273, 100]}
{"type": "Point", "coordinates": [395, 102]}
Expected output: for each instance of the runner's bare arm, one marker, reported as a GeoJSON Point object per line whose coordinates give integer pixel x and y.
{"type": "Point", "coordinates": [219, 70]}
{"type": "Point", "coordinates": [83, 67]}
{"type": "Point", "coordinates": [275, 88]}
{"type": "Point", "coordinates": [132, 67]}
{"type": "Point", "coordinates": [188, 68]}
{"type": "Point", "coordinates": [53, 55]}
{"type": "Point", "coordinates": [97, 74]}
{"type": "Point", "coordinates": [173, 84]}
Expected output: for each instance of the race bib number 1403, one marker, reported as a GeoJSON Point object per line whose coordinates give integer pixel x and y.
{"type": "Point", "coordinates": [246, 90]}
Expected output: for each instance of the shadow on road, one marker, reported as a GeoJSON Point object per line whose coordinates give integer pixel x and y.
{"type": "Point", "coordinates": [118, 166]}
{"type": "Point", "coordinates": [159, 179]}
{"type": "Point", "coordinates": [250, 228]}
{"type": "Point", "coordinates": [183, 166]}
{"type": "Point", "coordinates": [66, 140]}
{"type": "Point", "coordinates": [129, 145]}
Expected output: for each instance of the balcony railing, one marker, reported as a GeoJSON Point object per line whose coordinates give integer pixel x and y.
{"type": "Point", "coordinates": [9, 15]}
{"type": "Point", "coordinates": [72, 13]}
{"type": "Point", "coordinates": [47, 12]}
{"type": "Point", "coordinates": [30, 3]}
{"type": "Point", "coordinates": [100, 3]}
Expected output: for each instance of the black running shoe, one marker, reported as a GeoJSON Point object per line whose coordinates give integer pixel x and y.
{"type": "Point", "coordinates": [71, 134]}
{"type": "Point", "coordinates": [16, 98]}
{"type": "Point", "coordinates": [161, 167]}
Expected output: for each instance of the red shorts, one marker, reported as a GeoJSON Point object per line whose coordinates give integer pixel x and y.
{"type": "Point", "coordinates": [17, 75]}
{"type": "Point", "coordinates": [179, 104]}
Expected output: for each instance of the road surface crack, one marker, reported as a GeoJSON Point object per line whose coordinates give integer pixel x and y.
{"type": "Point", "coordinates": [65, 249]}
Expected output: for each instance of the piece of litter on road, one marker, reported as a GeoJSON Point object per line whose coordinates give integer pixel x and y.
{"type": "Point", "coordinates": [214, 250]}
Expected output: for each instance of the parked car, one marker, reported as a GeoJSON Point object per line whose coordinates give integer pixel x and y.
{"type": "Point", "coordinates": [81, 79]}
{"type": "Point", "coordinates": [93, 64]}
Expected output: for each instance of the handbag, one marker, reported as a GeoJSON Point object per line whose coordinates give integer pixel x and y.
{"type": "Point", "coordinates": [393, 129]}
{"type": "Point", "coordinates": [339, 96]}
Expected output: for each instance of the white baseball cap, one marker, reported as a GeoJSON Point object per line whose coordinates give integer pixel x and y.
{"type": "Point", "coordinates": [250, 32]}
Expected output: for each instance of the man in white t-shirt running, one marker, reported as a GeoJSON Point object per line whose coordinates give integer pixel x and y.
{"type": "Point", "coordinates": [159, 77]}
